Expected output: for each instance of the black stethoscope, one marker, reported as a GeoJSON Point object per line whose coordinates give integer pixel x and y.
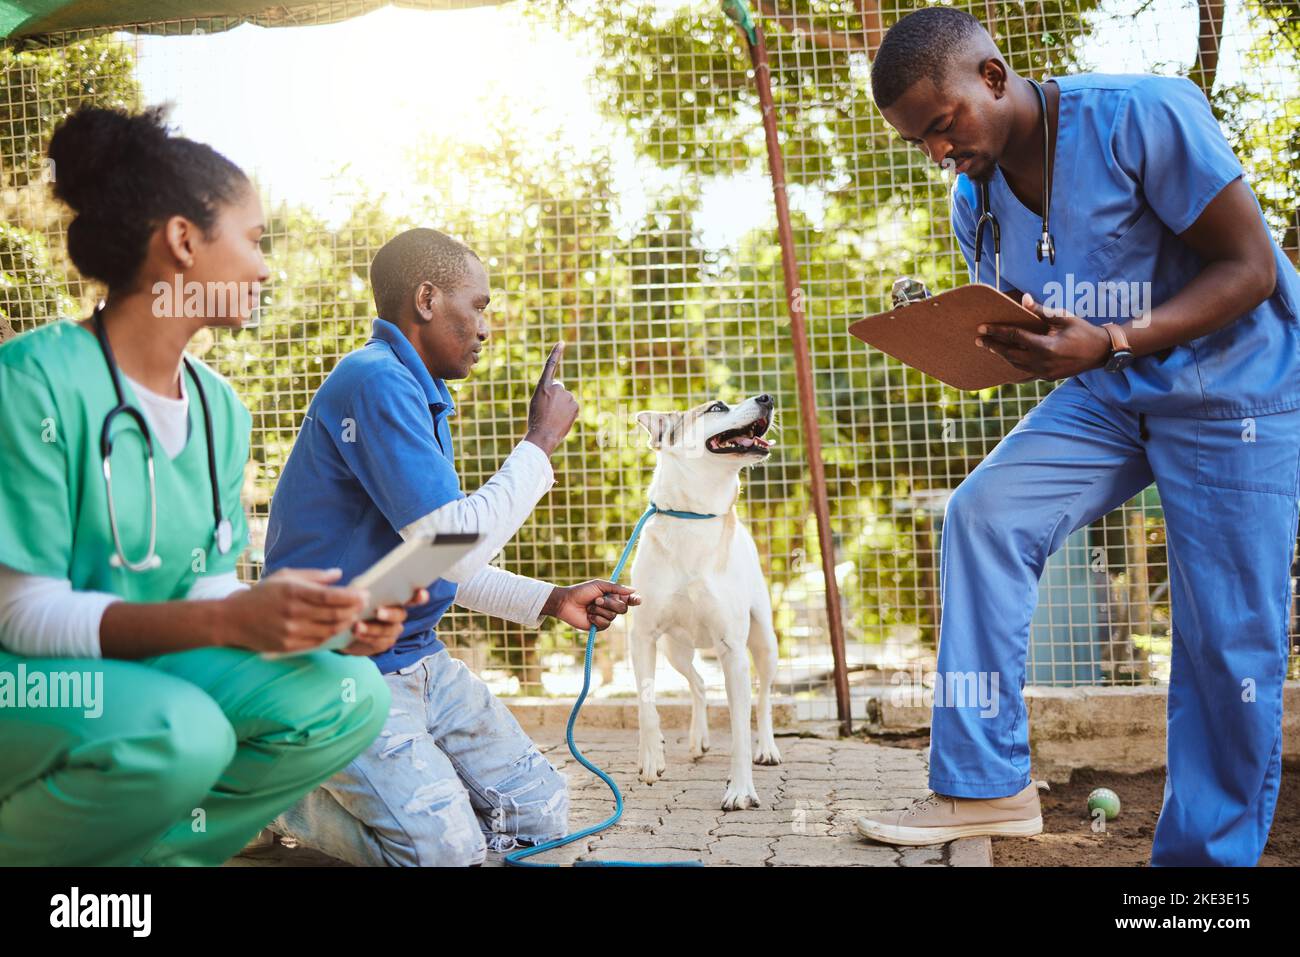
{"type": "Point", "coordinates": [1046, 247]}
{"type": "Point", "coordinates": [221, 525]}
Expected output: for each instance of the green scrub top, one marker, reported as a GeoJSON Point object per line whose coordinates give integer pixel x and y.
{"type": "Point", "coordinates": [55, 390]}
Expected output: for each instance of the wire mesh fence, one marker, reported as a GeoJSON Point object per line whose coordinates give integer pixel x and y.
{"type": "Point", "coordinates": [606, 161]}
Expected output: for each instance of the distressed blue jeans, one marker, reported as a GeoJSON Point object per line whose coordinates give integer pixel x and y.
{"type": "Point", "coordinates": [451, 775]}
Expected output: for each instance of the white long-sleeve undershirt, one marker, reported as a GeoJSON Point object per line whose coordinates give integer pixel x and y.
{"type": "Point", "coordinates": [46, 617]}
{"type": "Point", "coordinates": [496, 511]}
{"type": "Point", "coordinates": [43, 617]}
{"type": "Point", "coordinates": [502, 594]}
{"type": "Point", "coordinates": [168, 416]}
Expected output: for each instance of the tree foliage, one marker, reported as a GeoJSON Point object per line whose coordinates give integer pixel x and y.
{"type": "Point", "coordinates": [654, 317]}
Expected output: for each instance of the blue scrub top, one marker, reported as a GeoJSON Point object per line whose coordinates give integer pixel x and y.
{"type": "Point", "coordinates": [373, 455]}
{"type": "Point", "coordinates": [1137, 160]}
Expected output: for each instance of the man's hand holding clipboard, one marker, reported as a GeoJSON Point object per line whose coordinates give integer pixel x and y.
{"type": "Point", "coordinates": [1069, 346]}
{"type": "Point", "coordinates": [937, 336]}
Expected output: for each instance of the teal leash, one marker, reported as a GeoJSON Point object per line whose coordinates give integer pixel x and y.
{"type": "Point", "coordinates": [516, 858]}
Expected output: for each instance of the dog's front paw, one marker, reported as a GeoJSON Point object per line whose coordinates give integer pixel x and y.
{"type": "Point", "coordinates": [767, 754]}
{"type": "Point", "coordinates": [740, 798]}
{"type": "Point", "coordinates": [652, 760]}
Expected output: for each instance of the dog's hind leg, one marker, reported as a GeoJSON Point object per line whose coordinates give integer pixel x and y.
{"type": "Point", "coordinates": [740, 793]}
{"type": "Point", "coordinates": [650, 746]}
{"type": "Point", "coordinates": [681, 655]}
{"type": "Point", "coordinates": [762, 645]}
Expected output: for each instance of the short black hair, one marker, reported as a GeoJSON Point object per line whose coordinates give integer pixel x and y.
{"type": "Point", "coordinates": [924, 44]}
{"type": "Point", "coordinates": [124, 175]}
{"type": "Point", "coordinates": [413, 257]}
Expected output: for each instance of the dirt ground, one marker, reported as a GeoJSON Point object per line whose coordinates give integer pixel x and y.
{"type": "Point", "coordinates": [1068, 839]}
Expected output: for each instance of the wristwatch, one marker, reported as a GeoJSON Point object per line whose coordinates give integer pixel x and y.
{"type": "Point", "coordinates": [1121, 356]}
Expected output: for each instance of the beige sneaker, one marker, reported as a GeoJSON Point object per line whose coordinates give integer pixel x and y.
{"type": "Point", "coordinates": [938, 818]}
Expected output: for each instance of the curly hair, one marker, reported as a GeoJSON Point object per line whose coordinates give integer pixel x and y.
{"type": "Point", "coordinates": [124, 175]}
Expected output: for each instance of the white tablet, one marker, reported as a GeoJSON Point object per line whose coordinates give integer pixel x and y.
{"type": "Point", "coordinates": [392, 580]}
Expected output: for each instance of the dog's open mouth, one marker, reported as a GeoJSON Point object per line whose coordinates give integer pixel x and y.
{"type": "Point", "coordinates": [746, 440]}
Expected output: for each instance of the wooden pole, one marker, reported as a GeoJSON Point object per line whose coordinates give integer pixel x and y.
{"type": "Point", "coordinates": [803, 377]}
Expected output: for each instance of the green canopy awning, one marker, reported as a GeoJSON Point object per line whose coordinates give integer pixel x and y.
{"type": "Point", "coordinates": [34, 19]}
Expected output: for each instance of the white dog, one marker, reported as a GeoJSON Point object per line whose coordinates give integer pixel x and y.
{"type": "Point", "coordinates": [702, 585]}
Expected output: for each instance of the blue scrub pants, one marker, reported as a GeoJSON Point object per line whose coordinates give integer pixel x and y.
{"type": "Point", "coordinates": [1229, 490]}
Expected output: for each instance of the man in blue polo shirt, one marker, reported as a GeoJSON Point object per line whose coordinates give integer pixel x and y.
{"type": "Point", "coordinates": [452, 773]}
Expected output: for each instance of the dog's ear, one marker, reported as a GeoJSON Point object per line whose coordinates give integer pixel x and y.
{"type": "Point", "coordinates": [662, 426]}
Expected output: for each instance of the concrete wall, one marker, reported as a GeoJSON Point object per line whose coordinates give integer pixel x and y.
{"type": "Point", "coordinates": [674, 713]}
{"type": "Point", "coordinates": [1110, 729]}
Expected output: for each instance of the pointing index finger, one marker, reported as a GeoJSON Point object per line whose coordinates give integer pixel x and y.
{"type": "Point", "coordinates": [552, 363]}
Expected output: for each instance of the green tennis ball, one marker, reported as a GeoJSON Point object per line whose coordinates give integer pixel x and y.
{"type": "Point", "coordinates": [1107, 800]}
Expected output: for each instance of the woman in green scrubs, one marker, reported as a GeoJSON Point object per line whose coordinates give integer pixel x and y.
{"type": "Point", "coordinates": [140, 721]}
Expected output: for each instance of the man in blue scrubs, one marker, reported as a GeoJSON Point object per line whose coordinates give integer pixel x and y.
{"type": "Point", "coordinates": [1172, 317]}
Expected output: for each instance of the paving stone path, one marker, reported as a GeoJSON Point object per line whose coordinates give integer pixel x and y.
{"type": "Point", "coordinates": [810, 802]}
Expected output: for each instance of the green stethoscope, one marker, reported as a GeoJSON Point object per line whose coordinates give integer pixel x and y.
{"type": "Point", "coordinates": [222, 530]}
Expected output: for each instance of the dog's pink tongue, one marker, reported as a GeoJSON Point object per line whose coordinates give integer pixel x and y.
{"type": "Point", "coordinates": [745, 440]}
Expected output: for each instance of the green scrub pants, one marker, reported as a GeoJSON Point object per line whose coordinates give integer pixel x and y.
{"type": "Point", "coordinates": [191, 753]}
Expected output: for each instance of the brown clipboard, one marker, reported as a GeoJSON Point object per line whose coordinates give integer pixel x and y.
{"type": "Point", "coordinates": [937, 336]}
